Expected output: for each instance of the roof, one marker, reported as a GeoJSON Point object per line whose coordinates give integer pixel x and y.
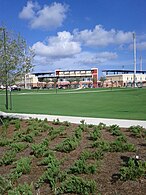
{"type": "Point", "coordinates": [43, 73]}
{"type": "Point", "coordinates": [115, 71]}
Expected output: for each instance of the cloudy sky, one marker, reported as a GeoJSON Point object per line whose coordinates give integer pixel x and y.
{"type": "Point", "coordinates": [79, 34]}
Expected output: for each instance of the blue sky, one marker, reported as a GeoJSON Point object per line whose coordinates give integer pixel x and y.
{"type": "Point", "coordinates": [79, 34]}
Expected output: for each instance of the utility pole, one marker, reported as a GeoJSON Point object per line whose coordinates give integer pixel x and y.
{"type": "Point", "coordinates": [140, 63]}
{"type": "Point", "coordinates": [6, 67]}
{"type": "Point", "coordinates": [134, 52]}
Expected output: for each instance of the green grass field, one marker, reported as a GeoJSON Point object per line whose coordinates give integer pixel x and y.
{"type": "Point", "coordinates": [103, 103]}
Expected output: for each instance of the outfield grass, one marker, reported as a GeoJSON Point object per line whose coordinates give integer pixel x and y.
{"type": "Point", "coordinates": [116, 103]}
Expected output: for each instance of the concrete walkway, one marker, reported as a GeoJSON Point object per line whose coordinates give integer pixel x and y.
{"type": "Point", "coordinates": [72, 119]}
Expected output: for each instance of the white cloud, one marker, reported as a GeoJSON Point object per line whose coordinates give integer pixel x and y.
{"type": "Point", "coordinates": [101, 37]}
{"type": "Point", "coordinates": [48, 17]}
{"type": "Point", "coordinates": [28, 11]}
{"type": "Point", "coordinates": [141, 45]}
{"type": "Point", "coordinates": [58, 47]}
{"type": "Point", "coordinates": [83, 60]}
{"type": "Point", "coordinates": [74, 51]}
{"type": "Point", "coordinates": [97, 58]}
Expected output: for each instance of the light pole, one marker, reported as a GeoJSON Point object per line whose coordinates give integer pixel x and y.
{"type": "Point", "coordinates": [134, 52]}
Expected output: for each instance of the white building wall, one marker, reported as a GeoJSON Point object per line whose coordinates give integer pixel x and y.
{"type": "Point", "coordinates": [126, 78]}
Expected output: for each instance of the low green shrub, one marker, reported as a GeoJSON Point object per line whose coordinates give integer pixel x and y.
{"type": "Point", "coordinates": [137, 131]}
{"type": "Point", "coordinates": [78, 133]}
{"type": "Point", "coordinates": [115, 130]}
{"type": "Point", "coordinates": [8, 158]}
{"type": "Point", "coordinates": [5, 185]}
{"type": "Point", "coordinates": [17, 124]}
{"type": "Point", "coordinates": [18, 146]}
{"type": "Point", "coordinates": [52, 173]}
{"type": "Point", "coordinates": [56, 132]}
{"type": "Point", "coordinates": [21, 136]}
{"type": "Point", "coordinates": [119, 146]}
{"type": "Point", "coordinates": [95, 134]}
{"type": "Point", "coordinates": [22, 189]}
{"type": "Point", "coordinates": [66, 123]}
{"type": "Point", "coordinates": [38, 150]}
{"type": "Point", "coordinates": [68, 144]}
{"type": "Point", "coordinates": [98, 154]}
{"type": "Point", "coordinates": [23, 165]}
{"type": "Point", "coordinates": [86, 155]}
{"type": "Point", "coordinates": [133, 169]}
{"type": "Point", "coordinates": [5, 125]}
{"type": "Point", "coordinates": [77, 185]}
{"type": "Point", "coordinates": [5, 141]}
{"type": "Point", "coordinates": [102, 145]}
{"type": "Point", "coordinates": [81, 167]}
{"type": "Point", "coordinates": [56, 122]}
{"type": "Point", "coordinates": [101, 126]}
{"type": "Point", "coordinates": [83, 125]}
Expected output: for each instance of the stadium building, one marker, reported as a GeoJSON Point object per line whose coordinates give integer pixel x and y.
{"type": "Point", "coordinates": [63, 79]}
{"type": "Point", "coordinates": [124, 78]}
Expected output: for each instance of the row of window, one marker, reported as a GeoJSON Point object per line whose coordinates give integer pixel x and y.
{"type": "Point", "coordinates": [81, 79]}
{"type": "Point", "coordinates": [135, 78]}
{"type": "Point", "coordinates": [73, 72]}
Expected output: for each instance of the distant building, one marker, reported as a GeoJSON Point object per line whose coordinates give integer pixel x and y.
{"type": "Point", "coordinates": [62, 79]}
{"type": "Point", "coordinates": [124, 78]}
{"type": "Point", "coordinates": [77, 78]}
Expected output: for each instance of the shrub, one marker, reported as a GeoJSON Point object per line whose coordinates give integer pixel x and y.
{"type": "Point", "coordinates": [5, 125]}
{"type": "Point", "coordinates": [68, 144]}
{"type": "Point", "coordinates": [78, 133]}
{"type": "Point", "coordinates": [56, 122]}
{"type": "Point", "coordinates": [77, 185]}
{"type": "Point", "coordinates": [66, 123]}
{"type": "Point", "coordinates": [118, 146]}
{"type": "Point", "coordinates": [56, 132]}
{"type": "Point", "coordinates": [5, 141]}
{"type": "Point", "coordinates": [5, 185]}
{"type": "Point", "coordinates": [18, 146]}
{"type": "Point", "coordinates": [83, 125]}
{"type": "Point", "coordinates": [40, 149]}
{"type": "Point", "coordinates": [133, 170]}
{"type": "Point", "coordinates": [137, 131]}
{"type": "Point", "coordinates": [81, 166]}
{"type": "Point", "coordinates": [115, 130]}
{"type": "Point", "coordinates": [21, 136]}
{"type": "Point", "coordinates": [96, 134]}
{"type": "Point", "coordinates": [27, 138]}
{"type": "Point", "coordinates": [50, 159]}
{"type": "Point", "coordinates": [122, 138]}
{"type": "Point", "coordinates": [8, 157]}
{"type": "Point", "coordinates": [102, 145]}
{"type": "Point", "coordinates": [115, 146]}
{"type": "Point", "coordinates": [23, 165]}
{"type": "Point", "coordinates": [51, 174]}
{"type": "Point", "coordinates": [101, 126]}
{"type": "Point", "coordinates": [17, 124]}
{"type": "Point", "coordinates": [90, 125]}
{"type": "Point", "coordinates": [85, 155]}
{"type": "Point", "coordinates": [98, 154]}
{"type": "Point", "coordinates": [24, 189]}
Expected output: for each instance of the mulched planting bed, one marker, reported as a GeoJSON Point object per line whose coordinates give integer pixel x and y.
{"type": "Point", "coordinates": [40, 158]}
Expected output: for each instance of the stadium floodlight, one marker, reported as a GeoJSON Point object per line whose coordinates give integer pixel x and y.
{"type": "Point", "coordinates": [134, 52]}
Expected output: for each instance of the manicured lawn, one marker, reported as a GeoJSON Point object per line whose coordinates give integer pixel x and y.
{"type": "Point", "coordinates": [116, 103]}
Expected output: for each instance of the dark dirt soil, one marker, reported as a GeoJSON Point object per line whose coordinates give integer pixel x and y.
{"type": "Point", "coordinates": [109, 166]}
